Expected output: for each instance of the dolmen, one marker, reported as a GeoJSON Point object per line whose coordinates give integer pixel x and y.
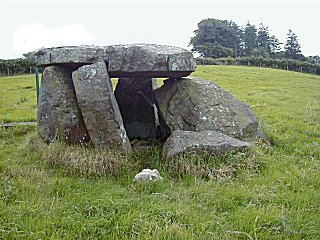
{"type": "Point", "coordinates": [77, 103]}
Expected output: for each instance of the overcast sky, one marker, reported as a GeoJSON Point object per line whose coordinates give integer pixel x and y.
{"type": "Point", "coordinates": [26, 27]}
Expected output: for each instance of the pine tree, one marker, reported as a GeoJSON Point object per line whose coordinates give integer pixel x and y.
{"type": "Point", "coordinates": [263, 38]}
{"type": "Point", "coordinates": [249, 39]}
{"type": "Point", "coordinates": [292, 47]}
{"type": "Point", "coordinates": [275, 45]}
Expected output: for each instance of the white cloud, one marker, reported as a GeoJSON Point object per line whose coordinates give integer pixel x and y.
{"type": "Point", "coordinates": [34, 36]}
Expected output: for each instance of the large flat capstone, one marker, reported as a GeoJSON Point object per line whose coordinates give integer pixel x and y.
{"type": "Point", "coordinates": [99, 107]}
{"type": "Point", "coordinates": [132, 60]}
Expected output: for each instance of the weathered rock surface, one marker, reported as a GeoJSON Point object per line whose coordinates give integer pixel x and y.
{"type": "Point", "coordinates": [99, 107]}
{"type": "Point", "coordinates": [133, 60]}
{"type": "Point", "coordinates": [68, 55]}
{"type": "Point", "coordinates": [149, 60]}
{"type": "Point", "coordinates": [80, 107]}
{"type": "Point", "coordinates": [136, 102]}
{"type": "Point", "coordinates": [59, 116]}
{"type": "Point", "coordinates": [148, 175]}
{"type": "Point", "coordinates": [205, 141]}
{"type": "Point", "coordinates": [194, 104]}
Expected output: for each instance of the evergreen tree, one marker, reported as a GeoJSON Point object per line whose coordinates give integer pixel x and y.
{"type": "Point", "coordinates": [292, 46]}
{"type": "Point", "coordinates": [263, 38]}
{"type": "Point", "coordinates": [275, 46]}
{"type": "Point", "coordinates": [216, 38]}
{"type": "Point", "coordinates": [249, 39]}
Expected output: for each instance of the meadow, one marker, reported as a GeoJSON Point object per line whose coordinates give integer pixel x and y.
{"type": "Point", "coordinates": [18, 99]}
{"type": "Point", "coordinates": [67, 192]}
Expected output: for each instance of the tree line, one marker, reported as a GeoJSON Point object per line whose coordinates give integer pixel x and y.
{"type": "Point", "coordinates": [285, 64]}
{"type": "Point", "coordinates": [216, 38]}
{"type": "Point", "coordinates": [14, 67]}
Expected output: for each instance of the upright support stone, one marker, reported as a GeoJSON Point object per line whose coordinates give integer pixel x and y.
{"type": "Point", "coordinates": [59, 116]}
{"type": "Point", "coordinates": [99, 107]}
{"type": "Point", "coordinates": [137, 106]}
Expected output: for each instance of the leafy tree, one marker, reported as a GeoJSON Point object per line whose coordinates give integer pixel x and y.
{"type": "Point", "coordinates": [278, 55]}
{"type": "Point", "coordinates": [14, 66]}
{"type": "Point", "coordinates": [260, 52]}
{"type": "Point", "coordinates": [214, 50]}
{"type": "Point", "coordinates": [292, 46]}
{"type": "Point", "coordinates": [217, 38]}
{"type": "Point", "coordinates": [314, 59]}
{"type": "Point", "coordinates": [249, 39]}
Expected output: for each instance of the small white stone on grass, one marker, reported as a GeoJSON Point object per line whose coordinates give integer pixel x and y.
{"type": "Point", "coordinates": [148, 175]}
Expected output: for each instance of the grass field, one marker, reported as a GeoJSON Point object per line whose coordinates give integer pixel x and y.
{"type": "Point", "coordinates": [61, 192]}
{"type": "Point", "coordinates": [18, 99]}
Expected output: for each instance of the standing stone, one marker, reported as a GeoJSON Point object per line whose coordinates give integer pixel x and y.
{"type": "Point", "coordinates": [59, 116]}
{"type": "Point", "coordinates": [136, 102]}
{"type": "Point", "coordinates": [194, 104]}
{"type": "Point", "coordinates": [99, 107]}
{"type": "Point", "coordinates": [212, 142]}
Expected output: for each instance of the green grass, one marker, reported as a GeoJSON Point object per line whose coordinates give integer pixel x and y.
{"type": "Point", "coordinates": [18, 99]}
{"type": "Point", "coordinates": [62, 192]}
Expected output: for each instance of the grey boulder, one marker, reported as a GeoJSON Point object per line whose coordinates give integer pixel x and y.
{"type": "Point", "coordinates": [59, 116]}
{"type": "Point", "coordinates": [212, 142]}
{"type": "Point", "coordinates": [99, 107]}
{"type": "Point", "coordinates": [194, 104]}
{"type": "Point", "coordinates": [132, 60]}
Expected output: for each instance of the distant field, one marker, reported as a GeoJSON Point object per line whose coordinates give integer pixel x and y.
{"type": "Point", "coordinates": [18, 99]}
{"type": "Point", "coordinates": [65, 192]}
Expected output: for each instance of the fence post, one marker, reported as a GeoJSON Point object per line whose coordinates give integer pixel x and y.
{"type": "Point", "coordinates": [36, 70]}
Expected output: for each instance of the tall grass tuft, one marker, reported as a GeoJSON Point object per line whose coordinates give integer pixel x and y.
{"type": "Point", "coordinates": [220, 168]}
{"type": "Point", "coordinates": [78, 160]}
